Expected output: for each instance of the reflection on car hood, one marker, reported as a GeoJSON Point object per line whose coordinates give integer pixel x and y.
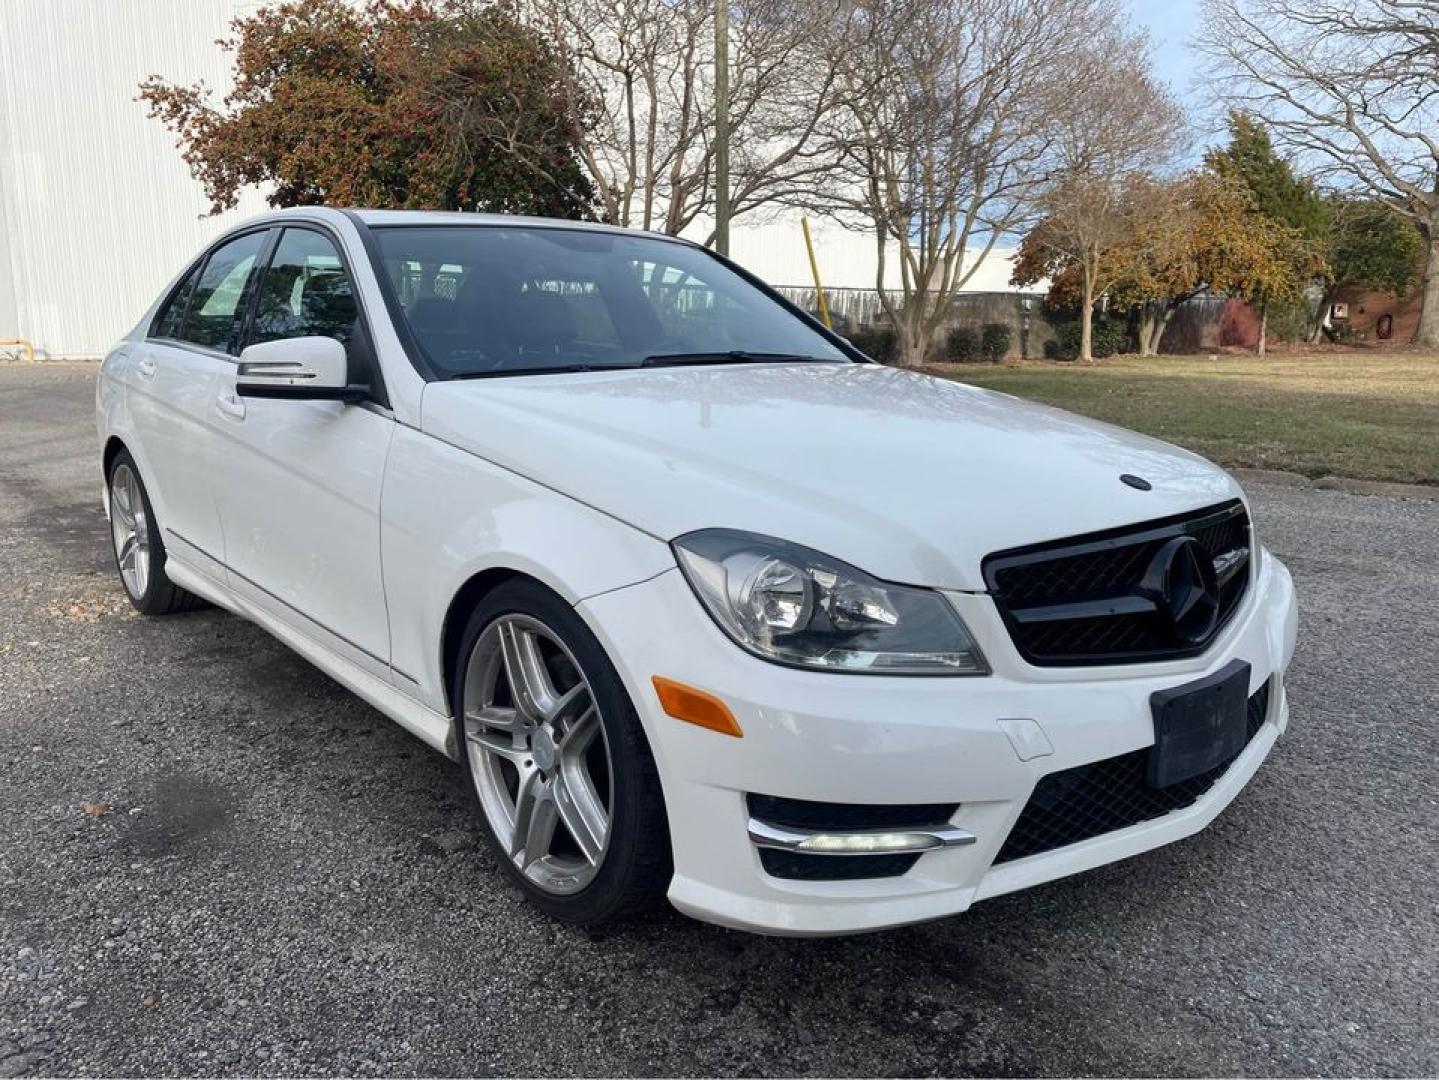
{"type": "Point", "coordinates": [912, 478]}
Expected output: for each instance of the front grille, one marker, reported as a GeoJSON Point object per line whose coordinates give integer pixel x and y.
{"type": "Point", "coordinates": [1091, 800]}
{"type": "Point", "coordinates": [1085, 600]}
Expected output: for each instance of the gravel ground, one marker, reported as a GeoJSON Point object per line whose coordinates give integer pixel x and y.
{"type": "Point", "coordinates": [287, 883]}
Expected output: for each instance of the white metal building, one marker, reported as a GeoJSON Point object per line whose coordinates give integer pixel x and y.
{"type": "Point", "coordinates": [98, 210]}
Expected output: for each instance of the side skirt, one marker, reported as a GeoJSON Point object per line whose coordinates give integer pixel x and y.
{"type": "Point", "coordinates": [428, 726]}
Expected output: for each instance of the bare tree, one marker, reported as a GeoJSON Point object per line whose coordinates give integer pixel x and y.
{"type": "Point", "coordinates": [1352, 86]}
{"type": "Point", "coordinates": [645, 69]}
{"type": "Point", "coordinates": [1119, 125]}
{"type": "Point", "coordinates": [945, 132]}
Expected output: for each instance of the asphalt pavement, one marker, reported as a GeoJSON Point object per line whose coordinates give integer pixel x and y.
{"type": "Point", "coordinates": [273, 879]}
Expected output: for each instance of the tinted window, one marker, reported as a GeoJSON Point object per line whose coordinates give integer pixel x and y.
{"type": "Point", "coordinates": [216, 311]}
{"type": "Point", "coordinates": [305, 292]}
{"type": "Point", "coordinates": [495, 300]}
{"type": "Point", "coordinates": [171, 320]}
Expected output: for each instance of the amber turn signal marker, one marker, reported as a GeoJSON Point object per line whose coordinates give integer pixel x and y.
{"type": "Point", "coordinates": [696, 707]}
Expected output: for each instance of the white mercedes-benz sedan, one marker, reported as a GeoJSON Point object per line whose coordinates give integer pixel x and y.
{"type": "Point", "coordinates": [707, 605]}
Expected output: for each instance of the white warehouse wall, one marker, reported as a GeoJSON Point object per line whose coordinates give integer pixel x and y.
{"type": "Point", "coordinates": [772, 246]}
{"type": "Point", "coordinates": [97, 209]}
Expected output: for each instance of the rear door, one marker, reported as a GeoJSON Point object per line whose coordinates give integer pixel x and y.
{"type": "Point", "coordinates": [173, 379]}
{"type": "Point", "coordinates": [300, 480]}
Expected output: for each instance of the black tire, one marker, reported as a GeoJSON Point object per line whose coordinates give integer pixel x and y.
{"type": "Point", "coordinates": [637, 866]}
{"type": "Point", "coordinates": [161, 596]}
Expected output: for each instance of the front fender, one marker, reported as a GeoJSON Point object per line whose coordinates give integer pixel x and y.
{"type": "Point", "coordinates": [448, 515]}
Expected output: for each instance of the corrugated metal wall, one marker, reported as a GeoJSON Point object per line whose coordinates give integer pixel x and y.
{"type": "Point", "coordinates": [97, 209]}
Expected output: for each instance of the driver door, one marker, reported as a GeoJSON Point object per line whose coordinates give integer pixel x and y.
{"type": "Point", "coordinates": [300, 505]}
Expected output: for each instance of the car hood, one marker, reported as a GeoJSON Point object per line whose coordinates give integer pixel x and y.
{"type": "Point", "coordinates": [911, 478]}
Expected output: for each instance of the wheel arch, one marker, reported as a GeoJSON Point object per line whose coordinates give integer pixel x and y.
{"type": "Point", "coordinates": [457, 615]}
{"type": "Point", "coordinates": [113, 447]}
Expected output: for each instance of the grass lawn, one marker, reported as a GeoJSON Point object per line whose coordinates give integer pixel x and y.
{"type": "Point", "coordinates": [1372, 416]}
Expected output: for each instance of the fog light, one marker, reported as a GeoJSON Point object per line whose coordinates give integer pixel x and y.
{"type": "Point", "coordinates": [765, 834]}
{"type": "Point", "coordinates": [889, 843]}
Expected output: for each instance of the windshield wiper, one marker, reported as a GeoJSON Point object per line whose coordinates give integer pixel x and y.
{"type": "Point", "coordinates": [558, 369]}
{"type": "Point", "coordinates": [733, 356]}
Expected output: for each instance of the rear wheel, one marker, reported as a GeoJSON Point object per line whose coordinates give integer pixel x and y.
{"type": "Point", "coordinates": [558, 760]}
{"type": "Point", "coordinates": [139, 548]}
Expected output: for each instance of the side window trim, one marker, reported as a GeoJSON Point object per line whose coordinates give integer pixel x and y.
{"type": "Point", "coordinates": [251, 299]}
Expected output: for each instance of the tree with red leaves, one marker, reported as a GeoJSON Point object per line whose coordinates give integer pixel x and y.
{"type": "Point", "coordinates": [418, 104]}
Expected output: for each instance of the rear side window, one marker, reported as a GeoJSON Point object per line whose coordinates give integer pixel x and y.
{"type": "Point", "coordinates": [170, 322]}
{"type": "Point", "coordinates": [305, 292]}
{"type": "Point", "coordinates": [216, 310]}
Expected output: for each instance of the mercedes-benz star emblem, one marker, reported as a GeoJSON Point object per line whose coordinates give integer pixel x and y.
{"type": "Point", "coordinates": [1181, 580]}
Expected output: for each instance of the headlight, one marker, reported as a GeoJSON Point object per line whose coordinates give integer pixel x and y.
{"type": "Point", "coordinates": [795, 606]}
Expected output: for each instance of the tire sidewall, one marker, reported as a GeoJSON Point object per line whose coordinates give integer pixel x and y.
{"type": "Point", "coordinates": [634, 781]}
{"type": "Point", "coordinates": [151, 602]}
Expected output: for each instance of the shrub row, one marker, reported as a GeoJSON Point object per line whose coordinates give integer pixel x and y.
{"type": "Point", "coordinates": [1110, 335]}
{"type": "Point", "coordinates": [990, 342]}
{"type": "Point", "coordinates": [965, 344]}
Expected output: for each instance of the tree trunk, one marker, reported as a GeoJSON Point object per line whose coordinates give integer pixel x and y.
{"type": "Point", "coordinates": [1326, 300]}
{"type": "Point", "coordinates": [1263, 328]}
{"type": "Point", "coordinates": [1146, 326]}
{"type": "Point", "coordinates": [1161, 324]}
{"type": "Point", "coordinates": [913, 341]}
{"type": "Point", "coordinates": [914, 353]}
{"type": "Point", "coordinates": [1427, 332]}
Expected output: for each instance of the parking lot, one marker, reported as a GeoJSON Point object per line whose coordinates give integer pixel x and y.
{"type": "Point", "coordinates": [274, 879]}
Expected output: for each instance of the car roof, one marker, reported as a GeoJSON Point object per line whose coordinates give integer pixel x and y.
{"type": "Point", "coordinates": [382, 218]}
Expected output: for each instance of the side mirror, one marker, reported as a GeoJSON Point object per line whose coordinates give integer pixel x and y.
{"type": "Point", "coordinates": [299, 369]}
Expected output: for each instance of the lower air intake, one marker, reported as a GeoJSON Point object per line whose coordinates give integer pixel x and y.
{"type": "Point", "coordinates": [1090, 800]}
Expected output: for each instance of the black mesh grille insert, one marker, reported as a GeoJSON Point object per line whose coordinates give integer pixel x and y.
{"type": "Point", "coordinates": [1081, 601]}
{"type": "Point", "coordinates": [1091, 800]}
{"type": "Point", "coordinates": [843, 817]}
{"type": "Point", "coordinates": [796, 866]}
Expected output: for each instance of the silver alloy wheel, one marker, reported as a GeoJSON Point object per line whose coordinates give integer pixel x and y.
{"type": "Point", "coordinates": [130, 531]}
{"type": "Point", "coordinates": [538, 753]}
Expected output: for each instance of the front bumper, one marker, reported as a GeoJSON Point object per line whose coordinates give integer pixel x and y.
{"type": "Point", "coordinates": [885, 739]}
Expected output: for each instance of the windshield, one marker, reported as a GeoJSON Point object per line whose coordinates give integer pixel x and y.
{"type": "Point", "coordinates": [487, 300]}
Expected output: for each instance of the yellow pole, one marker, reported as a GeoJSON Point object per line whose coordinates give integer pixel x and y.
{"type": "Point", "coordinates": [814, 269]}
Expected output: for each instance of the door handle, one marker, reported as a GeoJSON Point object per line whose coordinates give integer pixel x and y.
{"type": "Point", "coordinates": [146, 367]}
{"type": "Point", "coordinates": [231, 405]}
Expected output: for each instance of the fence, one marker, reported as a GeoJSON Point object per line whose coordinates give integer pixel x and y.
{"type": "Point", "coordinates": [1030, 324]}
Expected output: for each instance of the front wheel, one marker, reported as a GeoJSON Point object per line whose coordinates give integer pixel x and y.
{"type": "Point", "coordinates": [558, 760]}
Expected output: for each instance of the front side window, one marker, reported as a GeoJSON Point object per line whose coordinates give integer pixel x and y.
{"type": "Point", "coordinates": [305, 292]}
{"type": "Point", "coordinates": [216, 310]}
{"type": "Point", "coordinates": [512, 300]}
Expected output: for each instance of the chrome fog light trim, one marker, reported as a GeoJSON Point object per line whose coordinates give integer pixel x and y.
{"type": "Point", "coordinates": [865, 842]}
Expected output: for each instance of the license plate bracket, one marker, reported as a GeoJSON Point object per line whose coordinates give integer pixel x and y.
{"type": "Point", "coordinates": [1200, 725]}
